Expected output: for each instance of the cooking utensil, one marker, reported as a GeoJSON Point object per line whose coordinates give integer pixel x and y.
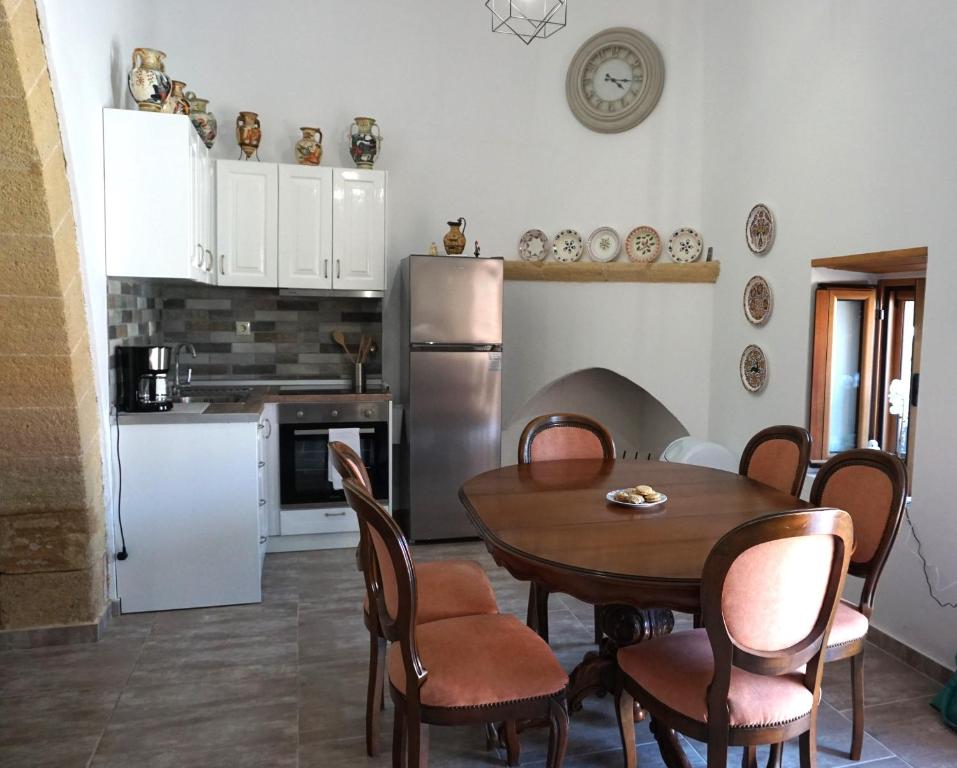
{"type": "Point", "coordinates": [340, 339]}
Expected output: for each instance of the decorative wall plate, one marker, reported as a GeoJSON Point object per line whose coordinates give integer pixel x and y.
{"type": "Point", "coordinates": [643, 244]}
{"type": "Point", "coordinates": [685, 246]}
{"type": "Point", "coordinates": [759, 230]}
{"type": "Point", "coordinates": [534, 245]}
{"type": "Point", "coordinates": [758, 301]}
{"type": "Point", "coordinates": [567, 245]}
{"type": "Point", "coordinates": [754, 368]}
{"type": "Point", "coordinates": [615, 80]}
{"type": "Point", "coordinates": [604, 244]}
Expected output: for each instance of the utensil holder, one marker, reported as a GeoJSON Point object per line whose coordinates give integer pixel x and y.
{"type": "Point", "coordinates": [359, 382]}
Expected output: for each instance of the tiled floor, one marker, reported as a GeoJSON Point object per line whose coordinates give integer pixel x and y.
{"type": "Point", "coordinates": [283, 684]}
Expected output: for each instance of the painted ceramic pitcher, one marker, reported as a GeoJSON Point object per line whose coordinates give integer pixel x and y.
{"type": "Point", "coordinates": [366, 142]}
{"type": "Point", "coordinates": [248, 134]}
{"type": "Point", "coordinates": [454, 240]}
{"type": "Point", "coordinates": [204, 122]}
{"type": "Point", "coordinates": [176, 103]}
{"type": "Point", "coordinates": [309, 148]}
{"type": "Point", "coordinates": [149, 84]}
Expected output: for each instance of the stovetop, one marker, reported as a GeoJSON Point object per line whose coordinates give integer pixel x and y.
{"type": "Point", "coordinates": [293, 389]}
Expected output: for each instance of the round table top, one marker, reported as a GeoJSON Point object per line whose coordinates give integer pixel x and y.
{"type": "Point", "coordinates": [554, 515]}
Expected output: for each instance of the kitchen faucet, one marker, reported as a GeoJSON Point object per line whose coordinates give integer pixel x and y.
{"type": "Point", "coordinates": [177, 384]}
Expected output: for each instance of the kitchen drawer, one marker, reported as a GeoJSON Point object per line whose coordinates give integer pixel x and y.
{"type": "Point", "coordinates": [325, 520]}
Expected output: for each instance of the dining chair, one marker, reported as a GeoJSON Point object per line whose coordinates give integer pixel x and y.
{"type": "Point", "coordinates": [484, 668]}
{"type": "Point", "coordinates": [752, 675]}
{"type": "Point", "coordinates": [554, 437]}
{"type": "Point", "coordinates": [872, 486]}
{"type": "Point", "coordinates": [446, 589]}
{"type": "Point", "coordinates": [778, 456]}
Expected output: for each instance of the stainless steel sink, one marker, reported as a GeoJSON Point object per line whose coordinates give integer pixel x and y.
{"type": "Point", "coordinates": [213, 395]}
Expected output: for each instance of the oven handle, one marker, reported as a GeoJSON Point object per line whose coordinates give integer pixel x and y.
{"type": "Point", "coordinates": [310, 432]}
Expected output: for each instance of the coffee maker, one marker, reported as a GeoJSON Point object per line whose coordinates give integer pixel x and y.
{"type": "Point", "coordinates": [142, 379]}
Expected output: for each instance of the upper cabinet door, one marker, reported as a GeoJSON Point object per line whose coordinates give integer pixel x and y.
{"type": "Point", "coordinates": [359, 230]}
{"type": "Point", "coordinates": [305, 227]}
{"type": "Point", "coordinates": [247, 207]}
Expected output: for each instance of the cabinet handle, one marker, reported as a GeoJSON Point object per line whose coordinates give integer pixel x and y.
{"type": "Point", "coordinates": [325, 268]}
{"type": "Point", "coordinates": [199, 259]}
{"type": "Point", "coordinates": [222, 263]}
{"type": "Point", "coordinates": [262, 464]}
{"type": "Point", "coordinates": [335, 514]}
{"type": "Point", "coordinates": [263, 425]}
{"type": "Point", "coordinates": [263, 539]}
{"type": "Point", "coordinates": [262, 502]}
{"type": "Point", "coordinates": [209, 255]}
{"type": "Point", "coordinates": [338, 268]}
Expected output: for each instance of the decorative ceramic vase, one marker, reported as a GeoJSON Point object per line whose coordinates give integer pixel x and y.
{"type": "Point", "coordinates": [204, 122]}
{"type": "Point", "coordinates": [454, 240]}
{"type": "Point", "coordinates": [176, 103]}
{"type": "Point", "coordinates": [366, 141]}
{"type": "Point", "coordinates": [248, 134]}
{"type": "Point", "coordinates": [149, 84]}
{"type": "Point", "coordinates": [309, 148]}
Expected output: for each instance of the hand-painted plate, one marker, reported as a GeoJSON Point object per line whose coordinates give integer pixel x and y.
{"type": "Point", "coordinates": [758, 301]}
{"type": "Point", "coordinates": [685, 246]}
{"type": "Point", "coordinates": [759, 230]}
{"type": "Point", "coordinates": [604, 244]}
{"type": "Point", "coordinates": [643, 244]}
{"type": "Point", "coordinates": [567, 245]}
{"type": "Point", "coordinates": [534, 245]}
{"type": "Point", "coordinates": [610, 496]}
{"type": "Point", "coordinates": [754, 368]}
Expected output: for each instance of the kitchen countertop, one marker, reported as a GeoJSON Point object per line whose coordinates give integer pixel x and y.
{"type": "Point", "coordinates": [251, 408]}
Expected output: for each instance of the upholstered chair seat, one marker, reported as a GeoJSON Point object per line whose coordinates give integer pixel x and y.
{"type": "Point", "coordinates": [478, 661]}
{"type": "Point", "coordinates": [849, 625]}
{"type": "Point", "coordinates": [450, 588]}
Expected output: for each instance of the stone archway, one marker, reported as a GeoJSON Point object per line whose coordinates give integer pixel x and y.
{"type": "Point", "coordinates": [52, 541]}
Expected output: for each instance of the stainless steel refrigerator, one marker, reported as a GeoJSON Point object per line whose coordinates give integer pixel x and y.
{"type": "Point", "coordinates": [453, 328]}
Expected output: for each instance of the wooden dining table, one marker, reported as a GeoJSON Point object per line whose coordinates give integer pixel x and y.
{"type": "Point", "coordinates": [550, 523]}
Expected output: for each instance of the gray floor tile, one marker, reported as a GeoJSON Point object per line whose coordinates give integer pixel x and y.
{"type": "Point", "coordinates": [886, 679]}
{"type": "Point", "coordinates": [102, 666]}
{"type": "Point", "coordinates": [914, 731]}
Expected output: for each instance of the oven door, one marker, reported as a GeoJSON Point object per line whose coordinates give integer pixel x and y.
{"type": "Point", "coordinates": [304, 462]}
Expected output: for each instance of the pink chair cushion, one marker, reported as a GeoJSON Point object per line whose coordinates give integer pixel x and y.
{"type": "Point", "coordinates": [677, 670]}
{"type": "Point", "coordinates": [450, 588]}
{"type": "Point", "coordinates": [865, 493]}
{"type": "Point", "coordinates": [558, 443]}
{"type": "Point", "coordinates": [480, 660]}
{"type": "Point", "coordinates": [775, 463]}
{"type": "Point", "coordinates": [849, 625]}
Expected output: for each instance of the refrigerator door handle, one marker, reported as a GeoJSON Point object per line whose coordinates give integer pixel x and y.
{"type": "Point", "coordinates": [423, 346]}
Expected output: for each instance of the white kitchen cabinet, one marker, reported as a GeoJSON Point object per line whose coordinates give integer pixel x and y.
{"type": "Point", "coordinates": [191, 515]}
{"type": "Point", "coordinates": [157, 223]}
{"type": "Point", "coordinates": [305, 227]}
{"type": "Point", "coordinates": [247, 223]}
{"type": "Point", "coordinates": [358, 230]}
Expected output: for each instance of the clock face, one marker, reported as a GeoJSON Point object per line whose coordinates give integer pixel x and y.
{"type": "Point", "coordinates": [615, 80]}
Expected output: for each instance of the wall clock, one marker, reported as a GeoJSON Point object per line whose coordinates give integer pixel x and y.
{"type": "Point", "coordinates": [615, 80]}
{"type": "Point", "coordinates": [754, 368]}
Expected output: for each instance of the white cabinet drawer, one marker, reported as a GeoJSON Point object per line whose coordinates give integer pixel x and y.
{"type": "Point", "coordinates": [328, 520]}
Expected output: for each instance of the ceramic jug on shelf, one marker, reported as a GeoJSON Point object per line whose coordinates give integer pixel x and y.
{"type": "Point", "coordinates": [176, 103]}
{"type": "Point", "coordinates": [454, 240]}
{"type": "Point", "coordinates": [204, 122]}
{"type": "Point", "coordinates": [365, 142]}
{"type": "Point", "coordinates": [148, 82]}
{"type": "Point", "coordinates": [248, 134]}
{"type": "Point", "coordinates": [309, 148]}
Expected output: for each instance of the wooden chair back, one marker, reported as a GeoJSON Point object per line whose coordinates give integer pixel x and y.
{"type": "Point", "coordinates": [778, 456]}
{"type": "Point", "coordinates": [349, 464]}
{"type": "Point", "coordinates": [872, 486]}
{"type": "Point", "coordinates": [769, 592]}
{"type": "Point", "coordinates": [557, 436]}
{"type": "Point", "coordinates": [391, 580]}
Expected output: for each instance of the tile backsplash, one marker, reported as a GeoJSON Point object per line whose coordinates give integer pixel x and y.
{"type": "Point", "coordinates": [291, 335]}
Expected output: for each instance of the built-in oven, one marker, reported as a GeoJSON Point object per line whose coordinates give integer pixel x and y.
{"type": "Point", "coordinates": [304, 460]}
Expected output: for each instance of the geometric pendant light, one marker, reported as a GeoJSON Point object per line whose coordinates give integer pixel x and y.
{"type": "Point", "coordinates": [528, 19]}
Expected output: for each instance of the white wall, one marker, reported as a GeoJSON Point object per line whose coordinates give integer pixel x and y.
{"type": "Point", "coordinates": [839, 116]}
{"type": "Point", "coordinates": [88, 47]}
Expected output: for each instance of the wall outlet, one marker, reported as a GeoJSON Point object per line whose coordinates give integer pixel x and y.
{"type": "Point", "coordinates": [244, 328]}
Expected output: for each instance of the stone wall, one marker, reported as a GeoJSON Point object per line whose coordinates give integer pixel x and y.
{"type": "Point", "coordinates": [52, 542]}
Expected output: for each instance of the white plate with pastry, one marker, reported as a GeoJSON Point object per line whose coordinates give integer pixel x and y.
{"type": "Point", "coordinates": [647, 498]}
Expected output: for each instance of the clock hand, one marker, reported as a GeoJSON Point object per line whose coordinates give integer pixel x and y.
{"type": "Point", "coordinates": [617, 81]}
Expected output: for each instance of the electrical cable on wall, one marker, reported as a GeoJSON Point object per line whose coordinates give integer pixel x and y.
{"type": "Point", "coordinates": [122, 554]}
{"type": "Point", "coordinates": [920, 554]}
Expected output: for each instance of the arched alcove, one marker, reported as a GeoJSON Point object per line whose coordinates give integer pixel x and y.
{"type": "Point", "coordinates": [639, 422]}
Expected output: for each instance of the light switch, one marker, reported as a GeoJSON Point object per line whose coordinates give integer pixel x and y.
{"type": "Point", "coordinates": [244, 328]}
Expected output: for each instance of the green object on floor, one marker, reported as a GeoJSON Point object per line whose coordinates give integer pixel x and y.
{"type": "Point", "coordinates": [946, 703]}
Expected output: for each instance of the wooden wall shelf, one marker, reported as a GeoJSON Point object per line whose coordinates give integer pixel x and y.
{"type": "Point", "coordinates": [614, 272]}
{"type": "Point", "coordinates": [882, 262]}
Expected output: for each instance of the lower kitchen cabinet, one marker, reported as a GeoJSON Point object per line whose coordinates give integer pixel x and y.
{"type": "Point", "coordinates": [193, 514]}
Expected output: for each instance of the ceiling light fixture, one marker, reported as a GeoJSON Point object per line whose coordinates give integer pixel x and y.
{"type": "Point", "coordinates": [528, 19]}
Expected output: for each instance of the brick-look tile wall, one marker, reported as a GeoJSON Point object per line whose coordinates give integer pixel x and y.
{"type": "Point", "coordinates": [291, 338]}
{"type": "Point", "coordinates": [52, 542]}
